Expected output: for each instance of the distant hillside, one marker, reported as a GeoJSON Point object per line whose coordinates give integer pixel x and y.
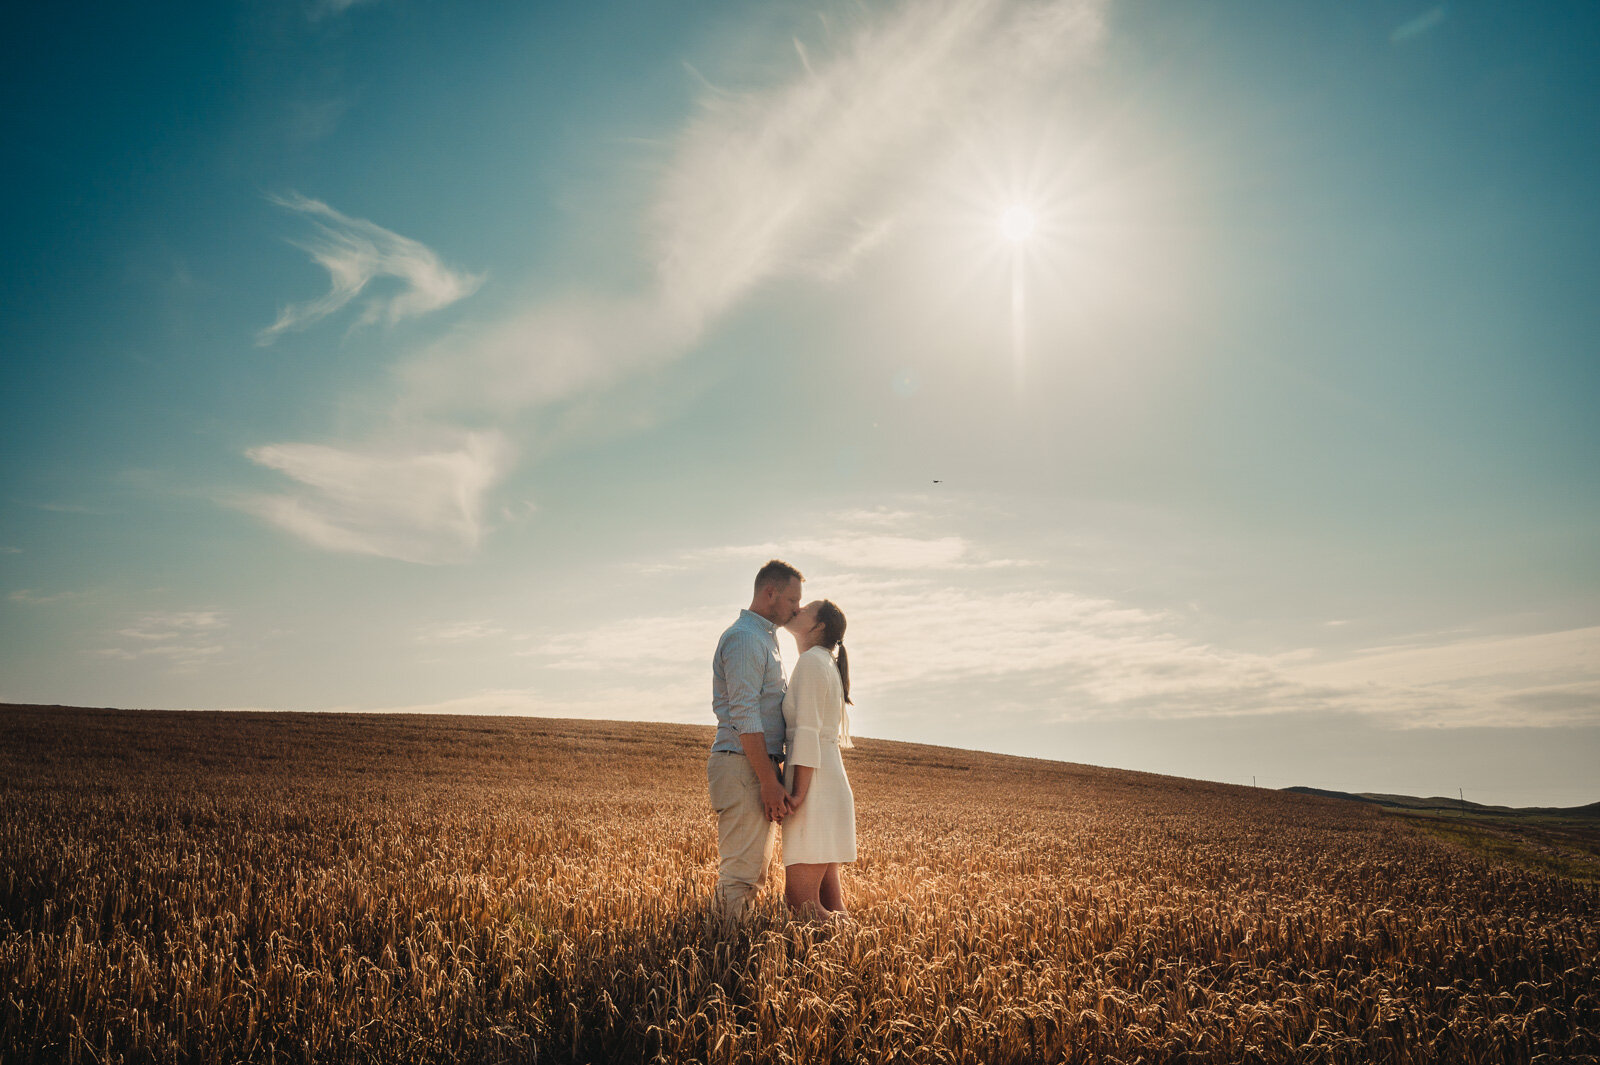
{"type": "Point", "coordinates": [1443, 804]}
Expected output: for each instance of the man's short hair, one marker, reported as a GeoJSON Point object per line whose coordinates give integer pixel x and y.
{"type": "Point", "coordinates": [776, 572]}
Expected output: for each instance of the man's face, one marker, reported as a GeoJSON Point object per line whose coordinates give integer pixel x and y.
{"type": "Point", "coordinates": [788, 604]}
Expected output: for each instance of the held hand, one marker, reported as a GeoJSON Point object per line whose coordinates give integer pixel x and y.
{"type": "Point", "coordinates": [774, 800]}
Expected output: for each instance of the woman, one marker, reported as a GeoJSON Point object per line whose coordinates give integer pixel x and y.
{"type": "Point", "coordinates": [819, 834]}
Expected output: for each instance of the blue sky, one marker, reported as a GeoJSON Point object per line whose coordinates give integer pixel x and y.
{"type": "Point", "coordinates": [403, 355]}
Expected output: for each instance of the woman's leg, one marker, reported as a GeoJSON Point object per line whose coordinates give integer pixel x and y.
{"type": "Point", "coordinates": [831, 891]}
{"type": "Point", "coordinates": [801, 883]}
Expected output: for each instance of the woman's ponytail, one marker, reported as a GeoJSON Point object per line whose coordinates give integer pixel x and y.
{"type": "Point", "coordinates": [833, 625]}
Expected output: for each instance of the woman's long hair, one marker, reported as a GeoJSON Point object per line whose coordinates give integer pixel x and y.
{"type": "Point", "coordinates": [833, 623]}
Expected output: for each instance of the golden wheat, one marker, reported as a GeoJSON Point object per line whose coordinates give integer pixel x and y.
{"type": "Point", "coordinates": [231, 887]}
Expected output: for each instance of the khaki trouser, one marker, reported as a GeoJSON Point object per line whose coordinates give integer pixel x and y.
{"type": "Point", "coordinates": [745, 837]}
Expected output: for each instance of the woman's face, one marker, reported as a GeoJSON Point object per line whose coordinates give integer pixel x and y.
{"type": "Point", "coordinates": [805, 622]}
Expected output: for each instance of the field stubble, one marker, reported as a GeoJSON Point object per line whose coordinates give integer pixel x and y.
{"type": "Point", "coordinates": [277, 887]}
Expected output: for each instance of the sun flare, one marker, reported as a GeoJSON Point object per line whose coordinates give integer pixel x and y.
{"type": "Point", "coordinates": [1018, 223]}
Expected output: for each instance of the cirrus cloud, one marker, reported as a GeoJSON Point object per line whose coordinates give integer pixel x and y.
{"type": "Point", "coordinates": [185, 639]}
{"type": "Point", "coordinates": [799, 177]}
{"type": "Point", "coordinates": [937, 630]}
{"type": "Point", "coordinates": [415, 504]}
{"type": "Point", "coordinates": [355, 253]}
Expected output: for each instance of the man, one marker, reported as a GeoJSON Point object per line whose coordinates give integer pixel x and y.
{"type": "Point", "coordinates": [745, 771]}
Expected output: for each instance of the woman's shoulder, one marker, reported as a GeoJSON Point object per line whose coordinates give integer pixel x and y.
{"type": "Point", "coordinates": [822, 667]}
{"type": "Point", "coordinates": [813, 660]}
{"type": "Point", "coordinates": [821, 658]}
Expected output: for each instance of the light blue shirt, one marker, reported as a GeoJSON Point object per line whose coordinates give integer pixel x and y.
{"type": "Point", "coordinates": [747, 684]}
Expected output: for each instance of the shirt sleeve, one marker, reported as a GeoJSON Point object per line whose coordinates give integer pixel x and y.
{"type": "Point", "coordinates": [744, 666]}
{"type": "Point", "coordinates": [808, 687]}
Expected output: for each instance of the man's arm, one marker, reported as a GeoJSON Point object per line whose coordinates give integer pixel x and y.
{"type": "Point", "coordinates": [774, 800]}
{"type": "Point", "coordinates": [744, 665]}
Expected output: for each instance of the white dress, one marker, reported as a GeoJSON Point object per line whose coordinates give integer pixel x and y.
{"type": "Point", "coordinates": [823, 829]}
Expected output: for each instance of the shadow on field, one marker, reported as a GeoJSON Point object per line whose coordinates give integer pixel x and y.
{"type": "Point", "coordinates": [686, 981]}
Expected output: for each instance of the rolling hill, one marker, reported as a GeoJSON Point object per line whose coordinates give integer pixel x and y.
{"type": "Point", "coordinates": [218, 887]}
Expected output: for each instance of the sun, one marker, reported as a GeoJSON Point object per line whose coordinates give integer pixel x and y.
{"type": "Point", "coordinates": [1018, 223]}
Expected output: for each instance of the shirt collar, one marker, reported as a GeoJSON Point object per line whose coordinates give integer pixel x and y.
{"type": "Point", "coordinates": [770, 628]}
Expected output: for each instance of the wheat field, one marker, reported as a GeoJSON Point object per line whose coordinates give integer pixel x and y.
{"type": "Point", "coordinates": [345, 888]}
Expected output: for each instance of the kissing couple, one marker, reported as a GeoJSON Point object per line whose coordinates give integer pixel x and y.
{"type": "Point", "coordinates": [775, 760]}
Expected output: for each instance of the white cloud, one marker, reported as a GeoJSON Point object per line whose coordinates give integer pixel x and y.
{"type": "Point", "coordinates": [69, 508]}
{"type": "Point", "coordinates": [356, 252]}
{"type": "Point", "coordinates": [540, 355]}
{"type": "Point", "coordinates": [772, 180]}
{"type": "Point", "coordinates": [186, 640]}
{"type": "Point", "coordinates": [880, 517]}
{"type": "Point", "coordinates": [616, 702]}
{"type": "Point", "coordinates": [1550, 678]}
{"type": "Point", "coordinates": [323, 8]}
{"type": "Point", "coordinates": [1080, 656]}
{"type": "Point", "coordinates": [869, 549]}
{"type": "Point", "coordinates": [313, 119]}
{"type": "Point", "coordinates": [918, 643]}
{"type": "Point", "coordinates": [459, 632]}
{"type": "Point", "coordinates": [921, 646]}
{"type": "Point", "coordinates": [35, 598]}
{"type": "Point", "coordinates": [864, 552]}
{"type": "Point", "coordinates": [398, 502]}
{"type": "Point", "coordinates": [934, 631]}
{"type": "Point", "coordinates": [1086, 657]}
{"type": "Point", "coordinates": [797, 178]}
{"type": "Point", "coordinates": [653, 647]}
{"type": "Point", "coordinates": [1424, 23]}
{"type": "Point", "coordinates": [801, 177]}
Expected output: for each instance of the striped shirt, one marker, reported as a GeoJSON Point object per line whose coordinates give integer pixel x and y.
{"type": "Point", "coordinates": [747, 684]}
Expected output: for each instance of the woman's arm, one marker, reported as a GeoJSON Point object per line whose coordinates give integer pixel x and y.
{"type": "Point", "coordinates": [802, 784]}
{"type": "Point", "coordinates": [805, 746]}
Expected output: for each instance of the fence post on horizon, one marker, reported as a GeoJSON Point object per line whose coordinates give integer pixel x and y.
{"type": "Point", "coordinates": [1462, 795]}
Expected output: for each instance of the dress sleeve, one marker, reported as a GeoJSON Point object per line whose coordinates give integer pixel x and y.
{"type": "Point", "coordinates": [808, 687]}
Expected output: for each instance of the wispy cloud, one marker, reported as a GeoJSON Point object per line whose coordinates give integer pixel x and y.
{"type": "Point", "coordinates": [185, 640]}
{"type": "Point", "coordinates": [1084, 657]}
{"type": "Point", "coordinates": [799, 177]}
{"type": "Point", "coordinates": [935, 630]}
{"type": "Point", "coordinates": [402, 502]}
{"type": "Point", "coordinates": [651, 647]}
{"type": "Point", "coordinates": [321, 9]}
{"type": "Point", "coordinates": [540, 355]}
{"type": "Point", "coordinates": [355, 253]}
{"type": "Point", "coordinates": [872, 550]}
{"type": "Point", "coordinates": [1416, 27]}
{"type": "Point", "coordinates": [618, 702]}
{"type": "Point", "coordinates": [1548, 678]}
{"type": "Point", "coordinates": [36, 598]}
{"type": "Point", "coordinates": [1108, 656]}
{"type": "Point", "coordinates": [69, 508]}
{"type": "Point", "coordinates": [314, 118]}
{"type": "Point", "coordinates": [459, 632]}
{"type": "Point", "coordinates": [768, 181]}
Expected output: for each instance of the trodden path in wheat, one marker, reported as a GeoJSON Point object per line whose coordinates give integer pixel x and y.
{"type": "Point", "coordinates": [282, 887]}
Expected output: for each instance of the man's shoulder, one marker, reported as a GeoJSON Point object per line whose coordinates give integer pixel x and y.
{"type": "Point", "coordinates": [741, 634]}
